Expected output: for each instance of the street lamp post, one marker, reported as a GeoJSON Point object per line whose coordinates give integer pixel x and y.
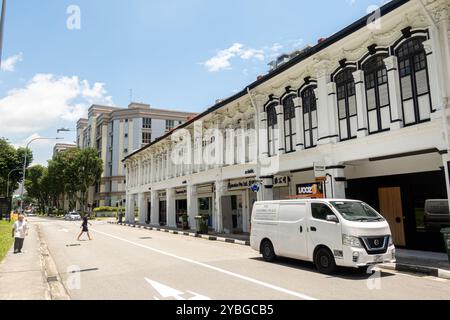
{"type": "Point", "coordinates": [25, 167]}
{"type": "Point", "coordinates": [7, 191]}
{"type": "Point", "coordinates": [2, 26]}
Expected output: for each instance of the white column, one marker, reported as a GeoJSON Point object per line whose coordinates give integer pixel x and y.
{"type": "Point", "coordinates": [218, 146]}
{"type": "Point", "coordinates": [142, 206]}
{"type": "Point", "coordinates": [263, 138]}
{"type": "Point", "coordinates": [361, 104]}
{"type": "Point", "coordinates": [242, 141]}
{"type": "Point", "coordinates": [281, 137]}
{"type": "Point", "coordinates": [435, 91]}
{"type": "Point", "coordinates": [324, 135]}
{"type": "Point", "coordinates": [129, 212]}
{"type": "Point", "coordinates": [446, 164]}
{"type": "Point", "coordinates": [300, 132]}
{"type": "Point", "coordinates": [192, 204]}
{"type": "Point", "coordinates": [154, 208]}
{"type": "Point", "coordinates": [218, 206]}
{"type": "Point", "coordinates": [394, 92]}
{"type": "Point", "coordinates": [171, 209]}
{"type": "Point", "coordinates": [333, 110]}
{"type": "Point", "coordinates": [266, 190]}
{"type": "Point", "coordinates": [335, 185]}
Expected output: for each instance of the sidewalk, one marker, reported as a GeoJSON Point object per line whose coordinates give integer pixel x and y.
{"type": "Point", "coordinates": [21, 275]}
{"type": "Point", "coordinates": [428, 263]}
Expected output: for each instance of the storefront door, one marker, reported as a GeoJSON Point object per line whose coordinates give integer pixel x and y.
{"type": "Point", "coordinates": [392, 210]}
{"type": "Point", "coordinates": [163, 213]}
{"type": "Point", "coordinates": [149, 213]}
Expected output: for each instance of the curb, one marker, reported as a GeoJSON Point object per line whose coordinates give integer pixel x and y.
{"type": "Point", "coordinates": [185, 233]}
{"type": "Point", "coordinates": [428, 271]}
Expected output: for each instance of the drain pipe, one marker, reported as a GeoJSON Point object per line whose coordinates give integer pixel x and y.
{"type": "Point", "coordinates": [257, 128]}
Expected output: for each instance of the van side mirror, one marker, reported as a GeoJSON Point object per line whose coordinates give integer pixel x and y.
{"type": "Point", "coordinates": [332, 218]}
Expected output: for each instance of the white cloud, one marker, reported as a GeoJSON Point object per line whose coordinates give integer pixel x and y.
{"type": "Point", "coordinates": [9, 63]}
{"type": "Point", "coordinates": [47, 100]}
{"type": "Point", "coordinates": [222, 60]}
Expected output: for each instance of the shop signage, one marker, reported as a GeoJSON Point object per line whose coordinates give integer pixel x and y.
{"type": "Point", "coordinates": [162, 194]}
{"type": "Point", "coordinates": [205, 189]}
{"type": "Point", "coordinates": [181, 192]}
{"type": "Point", "coordinates": [241, 184]}
{"type": "Point", "coordinates": [320, 173]}
{"type": "Point", "coordinates": [311, 190]}
{"type": "Point", "coordinates": [251, 171]}
{"type": "Point", "coordinates": [281, 181]}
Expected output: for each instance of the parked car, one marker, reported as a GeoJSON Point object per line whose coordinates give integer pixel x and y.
{"type": "Point", "coordinates": [328, 233]}
{"type": "Point", "coordinates": [437, 215]}
{"type": "Point", "coordinates": [73, 216]}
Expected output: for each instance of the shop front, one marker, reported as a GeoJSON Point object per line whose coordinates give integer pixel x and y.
{"type": "Point", "coordinates": [181, 205]}
{"type": "Point", "coordinates": [205, 202]}
{"type": "Point", "coordinates": [162, 196]}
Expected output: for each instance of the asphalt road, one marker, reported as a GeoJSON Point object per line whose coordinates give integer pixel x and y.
{"type": "Point", "coordinates": [138, 264]}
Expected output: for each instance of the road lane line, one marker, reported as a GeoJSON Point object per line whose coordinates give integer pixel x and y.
{"type": "Point", "coordinates": [236, 275]}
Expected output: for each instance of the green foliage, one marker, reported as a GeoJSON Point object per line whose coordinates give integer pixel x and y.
{"type": "Point", "coordinates": [106, 209]}
{"type": "Point", "coordinates": [11, 159]}
{"type": "Point", "coordinates": [6, 240]}
{"type": "Point", "coordinates": [69, 173]}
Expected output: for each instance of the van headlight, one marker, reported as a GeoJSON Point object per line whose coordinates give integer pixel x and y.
{"type": "Point", "coordinates": [391, 241]}
{"type": "Point", "coordinates": [351, 241]}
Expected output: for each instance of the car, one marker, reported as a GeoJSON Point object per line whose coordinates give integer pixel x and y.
{"type": "Point", "coordinates": [329, 233]}
{"type": "Point", "coordinates": [437, 215]}
{"type": "Point", "coordinates": [73, 216]}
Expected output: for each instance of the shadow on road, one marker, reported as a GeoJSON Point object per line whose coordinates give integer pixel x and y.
{"type": "Point", "coordinates": [343, 273]}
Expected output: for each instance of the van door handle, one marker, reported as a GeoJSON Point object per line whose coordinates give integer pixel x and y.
{"type": "Point", "coordinates": [301, 229]}
{"type": "Point", "coordinates": [313, 229]}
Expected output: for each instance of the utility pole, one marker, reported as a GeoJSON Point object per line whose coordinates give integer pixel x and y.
{"type": "Point", "coordinates": [2, 27]}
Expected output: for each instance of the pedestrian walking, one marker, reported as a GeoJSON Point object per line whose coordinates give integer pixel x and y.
{"type": "Point", "coordinates": [19, 232]}
{"type": "Point", "coordinates": [85, 228]}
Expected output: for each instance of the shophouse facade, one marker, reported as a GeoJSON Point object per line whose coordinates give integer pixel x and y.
{"type": "Point", "coordinates": [369, 104]}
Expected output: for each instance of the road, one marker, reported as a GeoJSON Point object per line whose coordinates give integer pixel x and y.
{"type": "Point", "coordinates": [127, 263]}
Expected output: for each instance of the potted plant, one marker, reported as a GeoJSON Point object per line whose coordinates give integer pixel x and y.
{"type": "Point", "coordinates": [185, 221]}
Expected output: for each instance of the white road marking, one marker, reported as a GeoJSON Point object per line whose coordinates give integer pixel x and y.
{"type": "Point", "coordinates": [167, 292]}
{"type": "Point", "coordinates": [229, 273]}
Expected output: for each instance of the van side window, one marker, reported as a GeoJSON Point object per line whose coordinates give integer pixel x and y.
{"type": "Point", "coordinates": [320, 211]}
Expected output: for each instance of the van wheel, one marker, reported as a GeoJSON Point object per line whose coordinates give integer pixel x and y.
{"type": "Point", "coordinates": [267, 251]}
{"type": "Point", "coordinates": [325, 262]}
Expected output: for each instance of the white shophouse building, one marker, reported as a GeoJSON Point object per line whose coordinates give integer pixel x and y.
{"type": "Point", "coordinates": [370, 103]}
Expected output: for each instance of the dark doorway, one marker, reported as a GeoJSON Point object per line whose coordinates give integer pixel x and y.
{"type": "Point", "coordinates": [163, 213]}
{"type": "Point", "coordinates": [149, 213]}
{"type": "Point", "coordinates": [414, 189]}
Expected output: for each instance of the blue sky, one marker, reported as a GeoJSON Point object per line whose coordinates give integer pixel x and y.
{"type": "Point", "coordinates": [175, 54]}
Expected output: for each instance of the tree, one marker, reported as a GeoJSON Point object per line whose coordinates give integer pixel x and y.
{"type": "Point", "coordinates": [11, 159]}
{"type": "Point", "coordinates": [83, 169]}
{"type": "Point", "coordinates": [34, 186]}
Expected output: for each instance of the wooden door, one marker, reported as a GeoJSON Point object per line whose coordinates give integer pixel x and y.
{"type": "Point", "coordinates": [392, 210]}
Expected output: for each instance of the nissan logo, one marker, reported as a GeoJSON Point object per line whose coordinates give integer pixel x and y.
{"type": "Point", "coordinates": [377, 242]}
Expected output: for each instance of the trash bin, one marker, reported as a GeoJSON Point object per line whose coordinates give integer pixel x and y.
{"type": "Point", "coordinates": [446, 233]}
{"type": "Point", "coordinates": [202, 224]}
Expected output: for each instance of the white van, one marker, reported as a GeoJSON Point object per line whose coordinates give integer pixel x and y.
{"type": "Point", "coordinates": [328, 233]}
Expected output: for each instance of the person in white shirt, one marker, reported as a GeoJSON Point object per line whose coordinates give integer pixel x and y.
{"type": "Point", "coordinates": [19, 232]}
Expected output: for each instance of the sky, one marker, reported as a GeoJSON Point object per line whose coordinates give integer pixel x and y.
{"type": "Point", "coordinates": [62, 56]}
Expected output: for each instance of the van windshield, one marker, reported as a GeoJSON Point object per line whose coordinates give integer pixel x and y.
{"type": "Point", "coordinates": [356, 211]}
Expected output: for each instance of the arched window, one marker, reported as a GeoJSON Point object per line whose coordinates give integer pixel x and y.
{"type": "Point", "coordinates": [346, 96]}
{"type": "Point", "coordinates": [377, 94]}
{"type": "Point", "coordinates": [309, 103]}
{"type": "Point", "coordinates": [289, 123]}
{"type": "Point", "coordinates": [414, 82]}
{"type": "Point", "coordinates": [272, 127]}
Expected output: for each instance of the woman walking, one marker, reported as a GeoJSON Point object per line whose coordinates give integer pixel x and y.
{"type": "Point", "coordinates": [85, 226]}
